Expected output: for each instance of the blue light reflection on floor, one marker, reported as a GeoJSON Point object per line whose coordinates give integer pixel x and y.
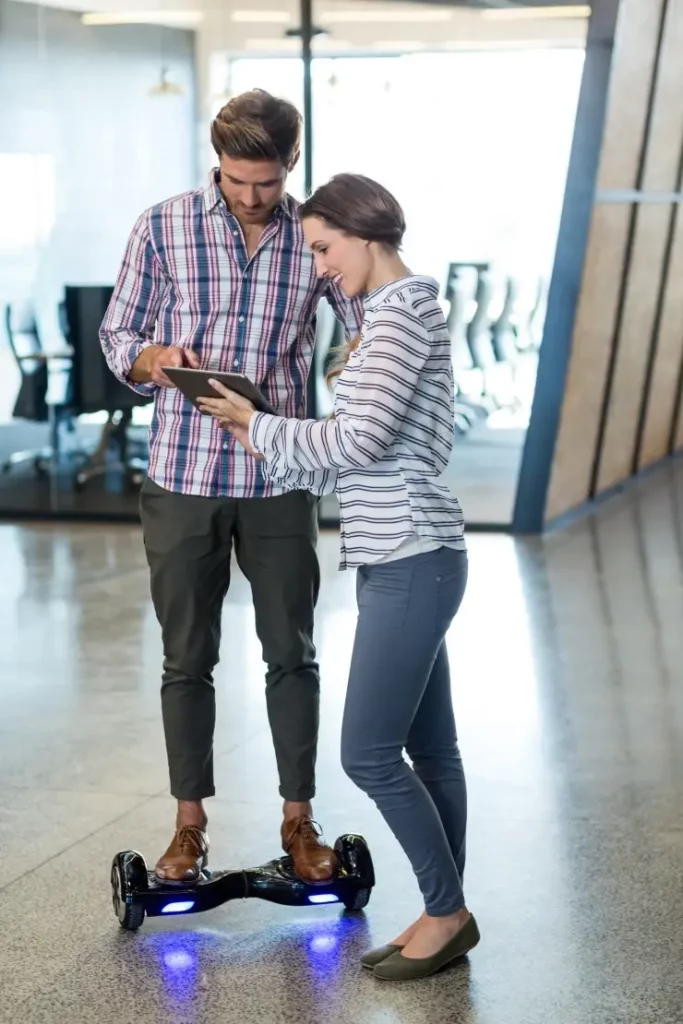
{"type": "Point", "coordinates": [180, 966]}
{"type": "Point", "coordinates": [325, 940]}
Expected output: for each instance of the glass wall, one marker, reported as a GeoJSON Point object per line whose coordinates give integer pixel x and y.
{"type": "Point", "coordinates": [97, 124]}
{"type": "Point", "coordinates": [476, 146]}
{"type": "Point", "coordinates": [466, 116]}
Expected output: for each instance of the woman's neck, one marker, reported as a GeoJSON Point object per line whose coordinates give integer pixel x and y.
{"type": "Point", "coordinates": [388, 269]}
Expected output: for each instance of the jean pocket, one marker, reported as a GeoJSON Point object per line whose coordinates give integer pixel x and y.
{"type": "Point", "coordinates": [385, 593]}
{"type": "Point", "coordinates": [451, 584]}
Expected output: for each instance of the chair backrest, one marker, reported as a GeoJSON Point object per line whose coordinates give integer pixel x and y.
{"type": "Point", "coordinates": [24, 341]}
{"type": "Point", "coordinates": [329, 340]}
{"type": "Point", "coordinates": [23, 336]}
{"type": "Point", "coordinates": [479, 327]}
{"type": "Point", "coordinates": [502, 330]}
{"type": "Point", "coordinates": [96, 389]}
{"type": "Point", "coordinates": [456, 321]}
{"type": "Point", "coordinates": [538, 314]}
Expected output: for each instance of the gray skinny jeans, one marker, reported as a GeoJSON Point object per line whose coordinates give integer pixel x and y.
{"type": "Point", "coordinates": [399, 698]}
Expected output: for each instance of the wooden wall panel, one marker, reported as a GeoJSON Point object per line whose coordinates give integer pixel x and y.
{"type": "Point", "coordinates": [621, 377]}
{"type": "Point", "coordinates": [663, 393]}
{"type": "Point", "coordinates": [634, 56]}
{"type": "Point", "coordinates": [633, 344]}
{"type": "Point", "coordinates": [662, 163]}
{"type": "Point", "coordinates": [590, 357]}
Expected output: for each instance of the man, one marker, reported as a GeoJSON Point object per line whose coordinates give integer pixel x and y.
{"type": "Point", "coordinates": [220, 278]}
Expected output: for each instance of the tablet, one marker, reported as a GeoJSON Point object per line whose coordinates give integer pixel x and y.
{"type": "Point", "coordinates": [194, 384]}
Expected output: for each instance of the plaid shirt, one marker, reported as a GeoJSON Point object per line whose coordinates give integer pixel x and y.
{"type": "Point", "coordinates": [186, 279]}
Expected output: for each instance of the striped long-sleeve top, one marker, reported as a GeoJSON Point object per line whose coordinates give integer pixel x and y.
{"type": "Point", "coordinates": [391, 437]}
{"type": "Point", "coordinates": [188, 280]}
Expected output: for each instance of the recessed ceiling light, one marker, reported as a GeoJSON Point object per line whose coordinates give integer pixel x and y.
{"type": "Point", "coordinates": [515, 45]}
{"type": "Point", "coordinates": [293, 45]}
{"type": "Point", "coordinates": [535, 13]}
{"type": "Point", "coordinates": [404, 17]}
{"type": "Point", "coordinates": [261, 17]}
{"type": "Point", "coordinates": [158, 17]}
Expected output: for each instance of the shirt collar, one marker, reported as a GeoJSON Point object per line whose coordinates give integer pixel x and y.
{"type": "Point", "coordinates": [213, 197]}
{"type": "Point", "coordinates": [212, 194]}
{"type": "Point", "coordinates": [375, 299]}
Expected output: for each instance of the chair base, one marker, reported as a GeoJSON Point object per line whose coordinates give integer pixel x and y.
{"type": "Point", "coordinates": [135, 471]}
{"type": "Point", "coordinates": [44, 459]}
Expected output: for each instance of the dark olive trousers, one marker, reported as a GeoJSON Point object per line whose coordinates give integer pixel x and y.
{"type": "Point", "coordinates": [188, 540]}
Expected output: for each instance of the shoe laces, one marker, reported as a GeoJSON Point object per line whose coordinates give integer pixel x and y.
{"type": "Point", "coordinates": [307, 829]}
{"type": "Point", "coordinates": [189, 837]}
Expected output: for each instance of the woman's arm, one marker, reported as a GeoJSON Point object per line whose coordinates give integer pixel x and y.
{"type": "Point", "coordinates": [397, 346]}
{"type": "Point", "coordinates": [317, 481]}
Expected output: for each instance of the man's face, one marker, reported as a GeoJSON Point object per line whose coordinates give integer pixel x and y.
{"type": "Point", "coordinates": [252, 188]}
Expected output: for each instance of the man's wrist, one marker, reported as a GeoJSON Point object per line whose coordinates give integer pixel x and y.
{"type": "Point", "coordinates": [141, 370]}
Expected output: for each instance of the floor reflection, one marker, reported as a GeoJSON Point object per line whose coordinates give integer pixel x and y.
{"type": "Point", "coordinates": [565, 663]}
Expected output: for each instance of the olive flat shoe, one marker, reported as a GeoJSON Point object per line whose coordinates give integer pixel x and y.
{"type": "Point", "coordinates": [401, 968]}
{"type": "Point", "coordinates": [375, 956]}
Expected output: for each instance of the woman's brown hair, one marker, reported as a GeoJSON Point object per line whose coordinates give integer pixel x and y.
{"type": "Point", "coordinates": [363, 208]}
{"type": "Point", "coordinates": [360, 207]}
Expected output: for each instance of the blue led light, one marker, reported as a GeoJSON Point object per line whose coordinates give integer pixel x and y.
{"type": "Point", "coordinates": [323, 897]}
{"type": "Point", "coordinates": [179, 960]}
{"type": "Point", "coordinates": [323, 943]}
{"type": "Point", "coordinates": [179, 907]}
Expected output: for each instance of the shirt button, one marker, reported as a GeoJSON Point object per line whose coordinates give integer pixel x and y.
{"type": "Point", "coordinates": [236, 363]}
{"type": "Point", "coordinates": [225, 446]}
{"type": "Point", "coordinates": [235, 233]}
{"type": "Point", "coordinates": [241, 319]}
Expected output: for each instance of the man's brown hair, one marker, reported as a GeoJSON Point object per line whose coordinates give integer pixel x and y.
{"type": "Point", "coordinates": [258, 126]}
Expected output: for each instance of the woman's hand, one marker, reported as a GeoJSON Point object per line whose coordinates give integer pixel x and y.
{"type": "Point", "coordinates": [241, 435]}
{"type": "Point", "coordinates": [233, 413]}
{"type": "Point", "coordinates": [230, 410]}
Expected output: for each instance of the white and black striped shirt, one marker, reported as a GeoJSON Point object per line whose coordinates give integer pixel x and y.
{"type": "Point", "coordinates": [391, 438]}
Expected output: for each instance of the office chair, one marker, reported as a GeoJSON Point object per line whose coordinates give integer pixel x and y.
{"type": "Point", "coordinates": [538, 314]}
{"type": "Point", "coordinates": [329, 338]}
{"type": "Point", "coordinates": [38, 370]}
{"type": "Point", "coordinates": [468, 408]}
{"type": "Point", "coordinates": [96, 389]}
{"type": "Point", "coordinates": [502, 329]}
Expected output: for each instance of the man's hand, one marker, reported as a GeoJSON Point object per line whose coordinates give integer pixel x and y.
{"type": "Point", "coordinates": [148, 368]}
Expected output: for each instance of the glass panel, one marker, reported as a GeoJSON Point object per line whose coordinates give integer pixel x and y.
{"type": "Point", "coordinates": [477, 156]}
{"type": "Point", "coordinates": [465, 115]}
{"type": "Point", "coordinates": [98, 123]}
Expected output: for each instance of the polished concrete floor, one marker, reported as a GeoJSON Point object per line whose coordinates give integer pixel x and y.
{"type": "Point", "coordinates": [566, 666]}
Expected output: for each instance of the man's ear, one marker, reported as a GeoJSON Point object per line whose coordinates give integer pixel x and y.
{"type": "Point", "coordinates": [294, 161]}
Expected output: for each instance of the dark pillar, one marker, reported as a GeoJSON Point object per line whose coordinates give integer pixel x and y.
{"type": "Point", "coordinates": [565, 284]}
{"type": "Point", "coordinates": [305, 8]}
{"type": "Point", "coordinates": [306, 38]}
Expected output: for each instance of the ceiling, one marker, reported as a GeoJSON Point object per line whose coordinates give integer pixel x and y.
{"type": "Point", "coordinates": [260, 26]}
{"type": "Point", "coordinates": [499, 4]}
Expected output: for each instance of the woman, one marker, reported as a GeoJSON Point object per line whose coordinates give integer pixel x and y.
{"type": "Point", "coordinates": [383, 452]}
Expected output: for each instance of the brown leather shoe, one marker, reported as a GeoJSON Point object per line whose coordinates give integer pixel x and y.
{"type": "Point", "coordinates": [186, 856]}
{"type": "Point", "coordinates": [302, 840]}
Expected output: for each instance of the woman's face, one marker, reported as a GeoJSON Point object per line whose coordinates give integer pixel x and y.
{"type": "Point", "coordinates": [341, 257]}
